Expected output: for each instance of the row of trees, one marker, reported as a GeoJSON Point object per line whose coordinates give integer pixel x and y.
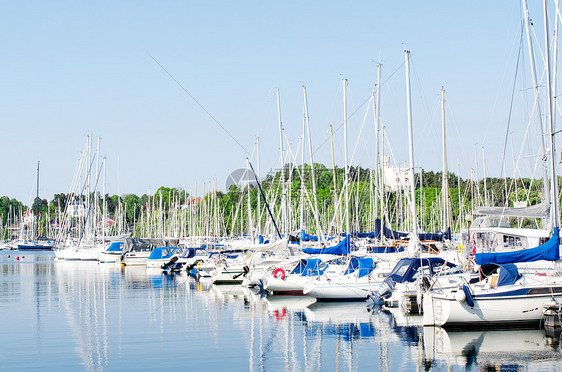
{"type": "Point", "coordinates": [230, 208]}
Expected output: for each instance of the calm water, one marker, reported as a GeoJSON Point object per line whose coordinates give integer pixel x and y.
{"type": "Point", "coordinates": [86, 316]}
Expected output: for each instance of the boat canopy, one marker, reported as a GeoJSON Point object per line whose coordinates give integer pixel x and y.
{"type": "Point", "coordinates": [309, 267]}
{"type": "Point", "coordinates": [115, 247]}
{"type": "Point", "coordinates": [308, 238]}
{"type": "Point", "coordinates": [386, 249]}
{"type": "Point", "coordinates": [398, 235]}
{"type": "Point", "coordinates": [508, 273]}
{"type": "Point", "coordinates": [406, 269]}
{"type": "Point", "coordinates": [147, 245]}
{"type": "Point", "coordinates": [537, 211]}
{"type": "Point", "coordinates": [162, 253]}
{"type": "Point", "coordinates": [364, 266]}
{"type": "Point", "coordinates": [549, 251]}
{"type": "Point", "coordinates": [343, 247]}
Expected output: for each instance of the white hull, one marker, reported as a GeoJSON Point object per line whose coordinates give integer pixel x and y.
{"type": "Point", "coordinates": [79, 254]}
{"type": "Point", "coordinates": [292, 285]}
{"type": "Point", "coordinates": [135, 258]}
{"type": "Point", "coordinates": [445, 310]}
{"type": "Point", "coordinates": [228, 275]}
{"type": "Point", "coordinates": [340, 291]}
{"type": "Point", "coordinates": [110, 257]}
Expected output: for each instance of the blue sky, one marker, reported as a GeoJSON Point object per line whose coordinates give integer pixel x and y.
{"type": "Point", "coordinates": [70, 67]}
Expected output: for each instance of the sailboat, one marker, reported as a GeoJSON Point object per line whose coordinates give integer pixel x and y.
{"type": "Point", "coordinates": [34, 244]}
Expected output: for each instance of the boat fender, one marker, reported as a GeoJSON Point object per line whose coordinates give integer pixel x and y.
{"type": "Point", "coordinates": [279, 273]}
{"type": "Point", "coordinates": [460, 296]}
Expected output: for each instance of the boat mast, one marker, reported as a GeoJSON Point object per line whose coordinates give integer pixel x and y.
{"type": "Point", "coordinates": [259, 199]}
{"type": "Point", "coordinates": [537, 107]}
{"type": "Point", "coordinates": [445, 181]}
{"type": "Point", "coordinates": [554, 216]}
{"type": "Point", "coordinates": [377, 110]}
{"type": "Point", "coordinates": [313, 174]}
{"type": "Point", "coordinates": [344, 81]}
{"type": "Point", "coordinates": [282, 179]}
{"type": "Point", "coordinates": [411, 146]}
{"type": "Point", "coordinates": [382, 188]}
{"type": "Point", "coordinates": [36, 224]}
{"type": "Point", "coordinates": [336, 204]}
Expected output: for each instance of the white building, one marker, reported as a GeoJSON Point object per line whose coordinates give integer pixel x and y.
{"type": "Point", "coordinates": [395, 178]}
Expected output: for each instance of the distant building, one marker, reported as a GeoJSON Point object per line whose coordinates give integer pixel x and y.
{"type": "Point", "coordinates": [395, 178]}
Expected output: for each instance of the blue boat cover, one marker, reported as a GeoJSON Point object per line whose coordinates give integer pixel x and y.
{"type": "Point", "coordinates": [343, 247]}
{"type": "Point", "coordinates": [508, 274]}
{"type": "Point", "coordinates": [406, 268]}
{"type": "Point", "coordinates": [115, 247]}
{"type": "Point", "coordinates": [386, 249]}
{"type": "Point", "coordinates": [308, 238]}
{"type": "Point", "coordinates": [398, 235]}
{"type": "Point", "coordinates": [548, 251]}
{"type": "Point", "coordinates": [300, 267]}
{"type": "Point", "coordinates": [188, 253]}
{"type": "Point", "coordinates": [162, 252]}
{"type": "Point", "coordinates": [364, 265]}
{"type": "Point", "coordinates": [313, 267]}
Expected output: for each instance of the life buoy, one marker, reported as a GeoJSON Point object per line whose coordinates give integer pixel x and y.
{"type": "Point", "coordinates": [280, 314]}
{"type": "Point", "coordinates": [279, 273]}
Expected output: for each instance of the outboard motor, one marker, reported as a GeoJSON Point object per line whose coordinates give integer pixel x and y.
{"type": "Point", "coordinates": [169, 263]}
{"type": "Point", "coordinates": [384, 292]}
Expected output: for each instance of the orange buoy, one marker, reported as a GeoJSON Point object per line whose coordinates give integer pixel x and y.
{"type": "Point", "coordinates": [17, 258]}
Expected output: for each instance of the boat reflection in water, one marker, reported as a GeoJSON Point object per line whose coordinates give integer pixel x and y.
{"type": "Point", "coordinates": [493, 349]}
{"type": "Point", "coordinates": [98, 317]}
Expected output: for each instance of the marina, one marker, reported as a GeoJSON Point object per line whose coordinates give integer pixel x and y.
{"type": "Point", "coordinates": [103, 317]}
{"type": "Point", "coordinates": [213, 211]}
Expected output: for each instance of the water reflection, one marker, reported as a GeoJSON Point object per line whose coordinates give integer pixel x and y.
{"type": "Point", "coordinates": [108, 317]}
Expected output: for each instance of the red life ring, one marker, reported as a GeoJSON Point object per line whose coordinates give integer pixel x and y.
{"type": "Point", "coordinates": [280, 315]}
{"type": "Point", "coordinates": [279, 273]}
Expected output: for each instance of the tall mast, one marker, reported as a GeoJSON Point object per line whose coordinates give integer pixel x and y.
{"type": "Point", "coordinates": [484, 171]}
{"type": "Point", "coordinates": [382, 186]}
{"type": "Point", "coordinates": [445, 187]}
{"type": "Point", "coordinates": [313, 174]}
{"type": "Point", "coordinates": [36, 219]}
{"type": "Point", "coordinates": [259, 199]}
{"type": "Point", "coordinates": [411, 146]}
{"type": "Point", "coordinates": [377, 109]}
{"type": "Point", "coordinates": [249, 203]}
{"type": "Point", "coordinates": [104, 218]}
{"type": "Point", "coordinates": [337, 210]}
{"type": "Point", "coordinates": [554, 216]}
{"type": "Point", "coordinates": [347, 227]}
{"type": "Point", "coordinates": [283, 196]}
{"type": "Point", "coordinates": [537, 107]}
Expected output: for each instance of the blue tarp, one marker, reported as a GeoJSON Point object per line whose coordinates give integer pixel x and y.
{"type": "Point", "coordinates": [385, 249]}
{"type": "Point", "coordinates": [300, 267]}
{"type": "Point", "coordinates": [313, 267]}
{"type": "Point", "coordinates": [363, 264]}
{"type": "Point", "coordinates": [548, 251]}
{"type": "Point", "coordinates": [397, 235]}
{"type": "Point", "coordinates": [342, 247]}
{"type": "Point", "coordinates": [115, 247]}
{"type": "Point", "coordinates": [508, 274]}
{"type": "Point", "coordinates": [162, 252]}
{"type": "Point", "coordinates": [406, 268]}
{"type": "Point", "coordinates": [308, 238]}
